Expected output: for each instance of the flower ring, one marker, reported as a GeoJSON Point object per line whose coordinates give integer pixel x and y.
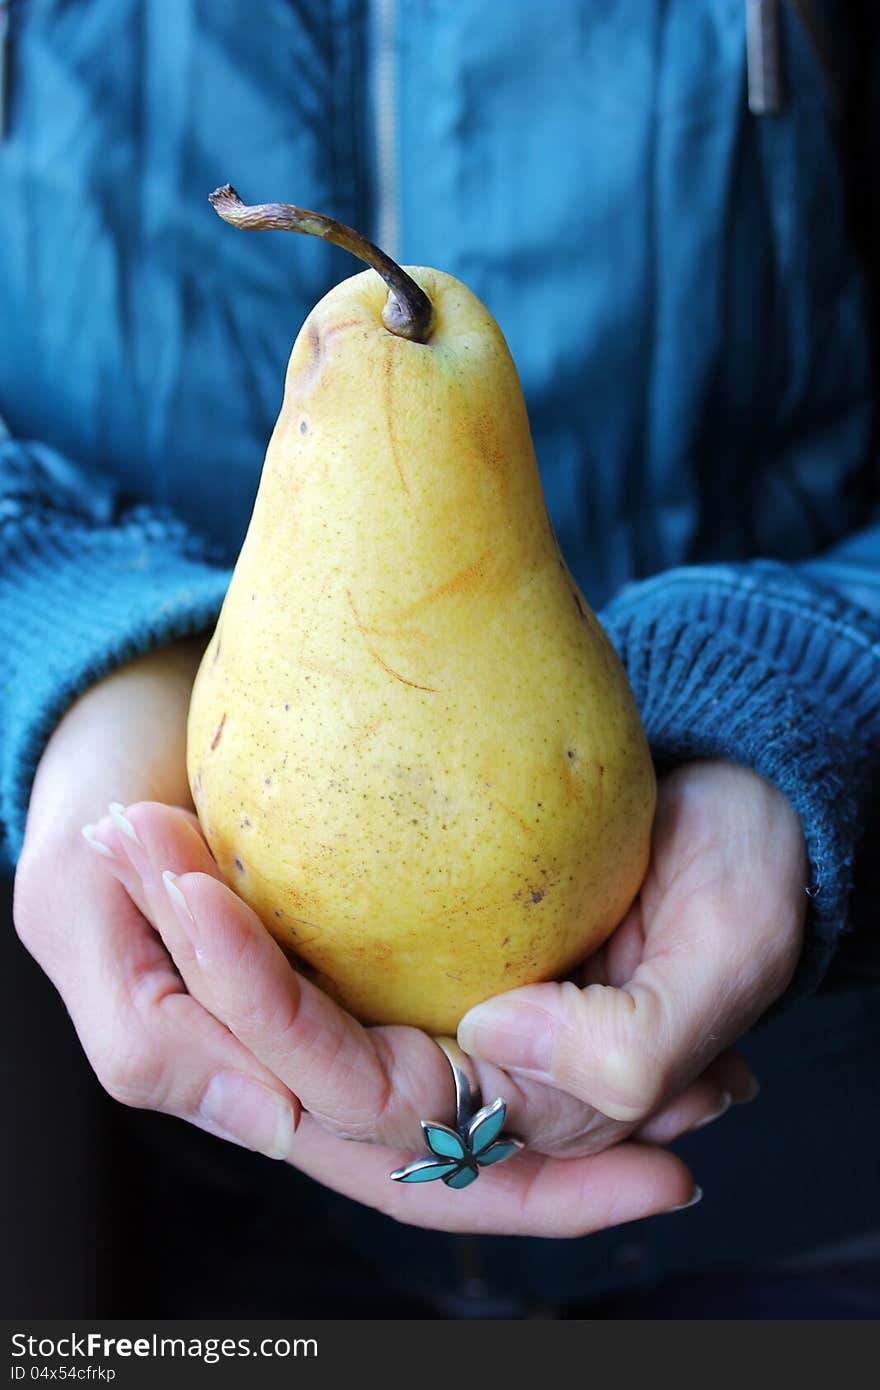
{"type": "Point", "coordinates": [476, 1141]}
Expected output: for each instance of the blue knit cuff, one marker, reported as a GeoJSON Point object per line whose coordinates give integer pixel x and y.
{"type": "Point", "coordinates": [753, 664]}
{"type": "Point", "coordinates": [76, 602]}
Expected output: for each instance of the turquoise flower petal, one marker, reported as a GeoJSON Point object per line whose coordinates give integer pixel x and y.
{"type": "Point", "coordinates": [486, 1125]}
{"type": "Point", "coordinates": [464, 1178]}
{"type": "Point", "coordinates": [424, 1170]}
{"type": "Point", "coordinates": [503, 1149]}
{"type": "Point", "coordinates": [443, 1141]}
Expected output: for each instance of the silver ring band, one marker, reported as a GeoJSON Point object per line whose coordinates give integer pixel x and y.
{"type": "Point", "coordinates": [468, 1095]}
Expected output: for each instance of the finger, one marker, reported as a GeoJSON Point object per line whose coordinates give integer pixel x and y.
{"type": "Point", "coordinates": [142, 846]}
{"type": "Point", "coordinates": [527, 1195]}
{"type": "Point", "coordinates": [150, 1044]}
{"type": "Point", "coordinates": [698, 1105]}
{"type": "Point", "coordinates": [734, 1075]}
{"type": "Point", "coordinates": [728, 1081]}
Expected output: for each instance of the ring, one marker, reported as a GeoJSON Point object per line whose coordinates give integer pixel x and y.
{"type": "Point", "coordinates": [457, 1154]}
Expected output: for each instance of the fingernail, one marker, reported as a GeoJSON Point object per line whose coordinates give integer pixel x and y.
{"type": "Point", "coordinates": [117, 811]}
{"type": "Point", "coordinates": [181, 907]}
{"type": "Point", "coordinates": [511, 1035]}
{"type": "Point", "coordinates": [176, 894]}
{"type": "Point", "coordinates": [751, 1091]}
{"type": "Point", "coordinates": [91, 839]}
{"type": "Point", "coordinates": [723, 1105]}
{"type": "Point", "coordinates": [248, 1112]}
{"type": "Point", "coordinates": [695, 1197]}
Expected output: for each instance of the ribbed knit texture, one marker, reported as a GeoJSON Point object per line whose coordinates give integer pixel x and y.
{"type": "Point", "coordinates": [753, 664]}
{"type": "Point", "coordinates": [77, 601]}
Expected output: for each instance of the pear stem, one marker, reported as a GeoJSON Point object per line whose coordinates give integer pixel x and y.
{"type": "Point", "coordinates": [408, 311]}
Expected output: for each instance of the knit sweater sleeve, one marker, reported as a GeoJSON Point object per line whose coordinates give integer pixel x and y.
{"type": "Point", "coordinates": [85, 585]}
{"type": "Point", "coordinates": [774, 668]}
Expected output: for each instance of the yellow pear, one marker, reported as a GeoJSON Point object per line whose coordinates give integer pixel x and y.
{"type": "Point", "coordinates": [412, 749]}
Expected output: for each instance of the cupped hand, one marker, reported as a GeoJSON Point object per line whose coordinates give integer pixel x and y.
{"type": "Point", "coordinates": [711, 942]}
{"type": "Point", "coordinates": [344, 1081]}
{"type": "Point", "coordinates": [184, 1003]}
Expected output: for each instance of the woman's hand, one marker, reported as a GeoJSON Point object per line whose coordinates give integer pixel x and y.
{"type": "Point", "coordinates": [185, 1004]}
{"type": "Point", "coordinates": [226, 1035]}
{"type": "Point", "coordinates": [224, 970]}
{"type": "Point", "coordinates": [711, 942]}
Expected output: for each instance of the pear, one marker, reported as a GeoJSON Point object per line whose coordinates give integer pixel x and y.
{"type": "Point", "coordinates": [411, 747]}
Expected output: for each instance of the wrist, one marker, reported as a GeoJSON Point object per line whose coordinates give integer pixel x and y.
{"type": "Point", "coordinates": [123, 739]}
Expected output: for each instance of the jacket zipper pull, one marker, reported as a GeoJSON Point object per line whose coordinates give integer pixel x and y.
{"type": "Point", "coordinates": [4, 64]}
{"type": "Point", "coordinates": [762, 57]}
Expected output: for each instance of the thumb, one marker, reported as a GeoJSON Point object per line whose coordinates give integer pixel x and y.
{"type": "Point", "coordinates": [621, 1051]}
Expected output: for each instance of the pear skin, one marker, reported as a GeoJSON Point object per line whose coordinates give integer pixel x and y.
{"type": "Point", "coordinates": [412, 749]}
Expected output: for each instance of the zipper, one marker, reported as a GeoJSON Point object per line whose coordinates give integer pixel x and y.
{"type": "Point", "coordinates": [763, 67]}
{"type": "Point", "coordinates": [385, 124]}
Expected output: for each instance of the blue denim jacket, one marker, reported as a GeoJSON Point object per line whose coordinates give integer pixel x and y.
{"type": "Point", "coordinates": [676, 280]}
